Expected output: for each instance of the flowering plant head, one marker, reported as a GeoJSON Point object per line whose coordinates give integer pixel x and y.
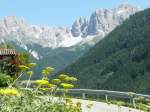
{"type": "Point", "coordinates": [68, 100]}
{"type": "Point", "coordinates": [66, 78]}
{"type": "Point", "coordinates": [42, 82]}
{"type": "Point", "coordinates": [30, 73]}
{"type": "Point", "coordinates": [62, 77]}
{"type": "Point", "coordinates": [131, 94]}
{"type": "Point", "coordinates": [9, 92]}
{"type": "Point", "coordinates": [71, 79]}
{"type": "Point", "coordinates": [47, 71]}
{"type": "Point", "coordinates": [56, 81]}
{"type": "Point", "coordinates": [23, 67]}
{"type": "Point", "coordinates": [67, 86]}
{"type": "Point", "coordinates": [52, 86]}
{"type": "Point", "coordinates": [31, 65]}
{"type": "Point", "coordinates": [44, 89]}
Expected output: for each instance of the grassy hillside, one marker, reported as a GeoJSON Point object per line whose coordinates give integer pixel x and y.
{"type": "Point", "coordinates": [121, 61]}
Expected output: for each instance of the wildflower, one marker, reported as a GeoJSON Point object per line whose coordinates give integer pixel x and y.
{"type": "Point", "coordinates": [52, 85]}
{"type": "Point", "coordinates": [66, 78]}
{"type": "Point", "coordinates": [42, 82]}
{"type": "Point", "coordinates": [56, 81]}
{"type": "Point", "coordinates": [23, 67]}
{"type": "Point", "coordinates": [78, 103]}
{"type": "Point", "coordinates": [131, 94]}
{"type": "Point", "coordinates": [47, 71]}
{"type": "Point", "coordinates": [62, 77]}
{"type": "Point", "coordinates": [67, 86]}
{"type": "Point", "coordinates": [74, 106]}
{"type": "Point", "coordinates": [72, 79]}
{"type": "Point", "coordinates": [30, 73]}
{"type": "Point", "coordinates": [140, 98]}
{"type": "Point", "coordinates": [9, 92]}
{"type": "Point", "coordinates": [68, 100]}
{"type": "Point", "coordinates": [44, 89]}
{"type": "Point", "coordinates": [31, 65]}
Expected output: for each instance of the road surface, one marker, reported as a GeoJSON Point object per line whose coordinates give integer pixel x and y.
{"type": "Point", "coordinates": [99, 106]}
{"type": "Point", "coordinates": [103, 107]}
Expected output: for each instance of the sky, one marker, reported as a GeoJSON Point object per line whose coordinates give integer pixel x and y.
{"type": "Point", "coordinates": [59, 12]}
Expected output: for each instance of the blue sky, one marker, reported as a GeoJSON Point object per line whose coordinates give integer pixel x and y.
{"type": "Point", "coordinates": [58, 12]}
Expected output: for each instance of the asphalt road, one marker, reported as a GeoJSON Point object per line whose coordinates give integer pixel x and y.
{"type": "Point", "coordinates": [103, 107]}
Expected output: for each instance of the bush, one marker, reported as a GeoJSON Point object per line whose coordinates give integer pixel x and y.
{"type": "Point", "coordinates": [41, 98]}
{"type": "Point", "coordinates": [28, 102]}
{"type": "Point", "coordinates": [5, 80]}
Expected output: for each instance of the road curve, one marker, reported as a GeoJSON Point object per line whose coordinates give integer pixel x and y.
{"type": "Point", "coordinates": [103, 107]}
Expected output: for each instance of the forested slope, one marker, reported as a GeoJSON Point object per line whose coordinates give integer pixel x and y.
{"type": "Point", "coordinates": [121, 61]}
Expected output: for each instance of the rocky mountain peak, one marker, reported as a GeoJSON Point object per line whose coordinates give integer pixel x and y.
{"type": "Point", "coordinates": [101, 22]}
{"type": "Point", "coordinates": [105, 20]}
{"type": "Point", "coordinates": [127, 6]}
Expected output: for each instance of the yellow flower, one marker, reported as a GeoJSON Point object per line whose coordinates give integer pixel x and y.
{"type": "Point", "coordinates": [72, 79]}
{"type": "Point", "coordinates": [31, 65]}
{"type": "Point", "coordinates": [23, 67]}
{"type": "Point", "coordinates": [9, 92]}
{"type": "Point", "coordinates": [52, 86]}
{"type": "Point", "coordinates": [49, 69]}
{"type": "Point", "coordinates": [44, 89]}
{"type": "Point", "coordinates": [78, 103]}
{"type": "Point", "coordinates": [62, 77]}
{"type": "Point", "coordinates": [67, 86]}
{"type": "Point", "coordinates": [66, 78]}
{"type": "Point", "coordinates": [56, 81]}
{"type": "Point", "coordinates": [131, 94]}
{"type": "Point", "coordinates": [42, 82]}
{"type": "Point", "coordinates": [30, 73]}
{"type": "Point", "coordinates": [68, 100]}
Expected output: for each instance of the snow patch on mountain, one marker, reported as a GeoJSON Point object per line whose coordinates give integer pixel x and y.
{"type": "Point", "coordinates": [120, 11]}
{"type": "Point", "coordinates": [34, 54]}
{"type": "Point", "coordinates": [68, 42]}
{"type": "Point", "coordinates": [101, 22]}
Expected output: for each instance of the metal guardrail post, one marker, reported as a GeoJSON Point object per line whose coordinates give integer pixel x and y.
{"type": "Point", "coordinates": [133, 101]}
{"type": "Point", "coordinates": [83, 95]}
{"type": "Point", "coordinates": [106, 97]}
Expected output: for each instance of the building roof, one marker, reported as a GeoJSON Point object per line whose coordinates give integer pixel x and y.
{"type": "Point", "coordinates": [7, 52]}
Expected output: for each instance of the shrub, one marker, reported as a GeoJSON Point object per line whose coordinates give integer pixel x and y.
{"type": "Point", "coordinates": [5, 80]}
{"type": "Point", "coordinates": [42, 98]}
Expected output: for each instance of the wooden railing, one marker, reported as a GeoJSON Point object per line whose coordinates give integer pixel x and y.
{"type": "Point", "coordinates": [7, 51]}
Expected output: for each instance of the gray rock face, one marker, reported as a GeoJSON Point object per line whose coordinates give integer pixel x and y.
{"type": "Point", "coordinates": [79, 28]}
{"type": "Point", "coordinates": [76, 28]}
{"type": "Point", "coordinates": [101, 22]}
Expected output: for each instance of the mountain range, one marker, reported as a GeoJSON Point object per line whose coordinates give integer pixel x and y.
{"type": "Point", "coordinates": [61, 46]}
{"type": "Point", "coordinates": [120, 61]}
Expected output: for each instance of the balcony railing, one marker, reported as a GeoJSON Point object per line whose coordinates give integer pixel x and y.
{"type": "Point", "coordinates": [7, 52]}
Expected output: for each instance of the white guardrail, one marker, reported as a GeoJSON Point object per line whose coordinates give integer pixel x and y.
{"type": "Point", "coordinates": [126, 95]}
{"type": "Point", "coordinates": [108, 93]}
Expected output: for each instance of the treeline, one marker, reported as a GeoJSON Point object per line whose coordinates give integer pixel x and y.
{"type": "Point", "coordinates": [121, 61]}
